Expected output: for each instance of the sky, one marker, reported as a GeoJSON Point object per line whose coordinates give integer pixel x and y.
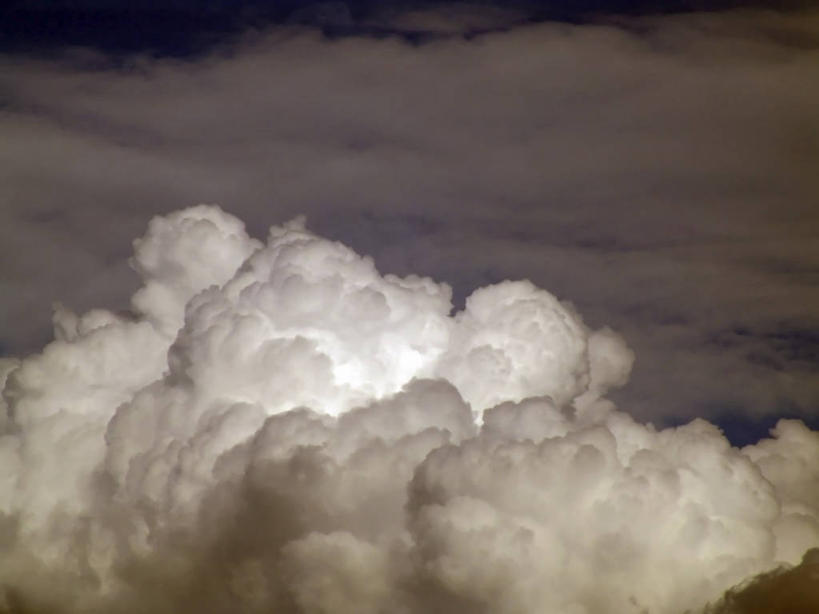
{"type": "Point", "coordinates": [656, 170]}
{"type": "Point", "coordinates": [650, 166]}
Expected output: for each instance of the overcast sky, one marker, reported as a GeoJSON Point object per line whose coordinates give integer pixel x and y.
{"type": "Point", "coordinates": [659, 171]}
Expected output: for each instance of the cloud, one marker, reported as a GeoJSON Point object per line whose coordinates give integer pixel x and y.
{"type": "Point", "coordinates": [319, 437]}
{"type": "Point", "coordinates": [659, 172]}
{"type": "Point", "coordinates": [786, 589]}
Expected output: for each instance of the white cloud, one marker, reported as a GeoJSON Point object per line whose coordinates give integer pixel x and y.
{"type": "Point", "coordinates": [319, 438]}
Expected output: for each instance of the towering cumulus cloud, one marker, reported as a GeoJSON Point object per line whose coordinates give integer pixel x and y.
{"type": "Point", "coordinates": [280, 428]}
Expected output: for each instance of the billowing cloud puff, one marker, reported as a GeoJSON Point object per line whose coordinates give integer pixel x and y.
{"type": "Point", "coordinates": [279, 427]}
{"type": "Point", "coordinates": [513, 341]}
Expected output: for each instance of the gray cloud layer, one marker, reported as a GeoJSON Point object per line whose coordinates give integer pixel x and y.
{"type": "Point", "coordinates": [661, 176]}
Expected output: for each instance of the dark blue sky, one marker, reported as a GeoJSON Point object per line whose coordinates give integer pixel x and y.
{"type": "Point", "coordinates": [185, 27]}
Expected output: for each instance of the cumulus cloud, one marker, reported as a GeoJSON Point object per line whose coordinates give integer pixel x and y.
{"type": "Point", "coordinates": [279, 426]}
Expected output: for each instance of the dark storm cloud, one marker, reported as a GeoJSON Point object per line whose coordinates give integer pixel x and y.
{"type": "Point", "coordinates": [791, 590]}
{"type": "Point", "coordinates": [660, 174]}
